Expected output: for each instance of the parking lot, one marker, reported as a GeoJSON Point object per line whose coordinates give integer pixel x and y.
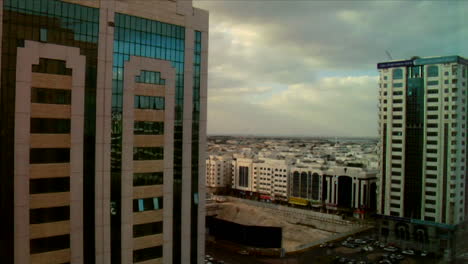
{"type": "Point", "coordinates": [360, 249]}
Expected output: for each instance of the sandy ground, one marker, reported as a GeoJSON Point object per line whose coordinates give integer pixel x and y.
{"type": "Point", "coordinates": [293, 235]}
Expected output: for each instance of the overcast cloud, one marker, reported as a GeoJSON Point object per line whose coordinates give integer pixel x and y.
{"type": "Point", "coordinates": [309, 67]}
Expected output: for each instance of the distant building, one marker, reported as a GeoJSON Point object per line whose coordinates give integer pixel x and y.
{"type": "Point", "coordinates": [343, 189]}
{"type": "Point", "coordinates": [265, 178]}
{"type": "Point", "coordinates": [218, 171]}
{"type": "Point", "coordinates": [422, 126]}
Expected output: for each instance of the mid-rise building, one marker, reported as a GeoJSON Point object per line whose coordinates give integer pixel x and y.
{"type": "Point", "coordinates": [103, 131]}
{"type": "Point", "coordinates": [218, 172]}
{"type": "Point", "coordinates": [423, 141]}
{"type": "Point", "coordinates": [264, 178]}
{"type": "Point", "coordinates": [346, 190]}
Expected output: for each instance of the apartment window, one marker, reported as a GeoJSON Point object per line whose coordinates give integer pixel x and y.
{"type": "Point", "coordinates": [397, 133]}
{"type": "Point", "coordinates": [396, 173]}
{"type": "Point", "coordinates": [148, 128]}
{"type": "Point", "coordinates": [49, 185]}
{"type": "Point", "coordinates": [47, 215]}
{"type": "Point", "coordinates": [147, 254]}
{"type": "Point", "coordinates": [432, 117]}
{"type": "Point", "coordinates": [446, 81]}
{"type": "Point", "coordinates": [430, 202]}
{"type": "Point", "coordinates": [43, 35]}
{"type": "Point", "coordinates": [148, 153]}
{"type": "Point", "coordinates": [148, 178]}
{"type": "Point", "coordinates": [393, 205]}
{"type": "Point", "coordinates": [147, 204]}
{"type": "Point", "coordinates": [40, 245]}
{"type": "Point", "coordinates": [396, 141]}
{"type": "Point", "coordinates": [397, 101]}
{"type": "Point", "coordinates": [395, 189]}
{"type": "Point", "coordinates": [431, 150]}
{"type": "Point", "coordinates": [397, 74]}
{"type": "Point", "coordinates": [429, 210]}
{"type": "Point", "coordinates": [50, 96]}
{"type": "Point", "coordinates": [396, 149]}
{"type": "Point", "coordinates": [431, 167]}
{"type": "Point", "coordinates": [430, 159]}
{"type": "Point", "coordinates": [432, 108]}
{"type": "Point", "coordinates": [395, 157]}
{"type": "Point", "coordinates": [430, 193]}
{"type": "Point", "coordinates": [149, 102]}
{"type": "Point", "coordinates": [432, 83]}
{"type": "Point", "coordinates": [432, 142]}
{"type": "Point", "coordinates": [429, 218]}
{"type": "Point", "coordinates": [50, 126]}
{"type": "Point", "coordinates": [147, 229]}
{"type": "Point", "coordinates": [397, 85]}
{"type": "Point", "coordinates": [396, 181]}
{"type": "Point", "coordinates": [430, 184]}
{"type": "Point", "coordinates": [150, 77]}
{"type": "Point", "coordinates": [49, 155]}
{"type": "Point", "coordinates": [395, 165]}
{"type": "Point", "coordinates": [396, 93]}
{"type": "Point", "coordinates": [394, 197]}
{"type": "Point", "coordinates": [432, 71]}
{"type": "Point", "coordinates": [397, 125]}
{"type": "Point", "coordinates": [432, 100]}
{"type": "Point", "coordinates": [51, 66]}
{"type": "Point", "coordinates": [432, 134]}
{"type": "Point", "coordinates": [432, 125]}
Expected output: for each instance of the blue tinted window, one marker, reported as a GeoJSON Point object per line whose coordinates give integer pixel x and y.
{"type": "Point", "coordinates": [432, 71]}
{"type": "Point", "coordinates": [397, 74]}
{"type": "Point", "coordinates": [433, 83]}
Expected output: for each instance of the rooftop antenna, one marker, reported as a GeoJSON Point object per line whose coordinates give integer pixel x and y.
{"type": "Point", "coordinates": [388, 55]}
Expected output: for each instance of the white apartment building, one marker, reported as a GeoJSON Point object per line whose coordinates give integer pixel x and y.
{"type": "Point", "coordinates": [218, 171]}
{"type": "Point", "coordinates": [422, 127]}
{"type": "Point", "coordinates": [265, 177]}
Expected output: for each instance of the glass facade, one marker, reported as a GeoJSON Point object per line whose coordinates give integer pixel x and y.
{"type": "Point", "coordinates": [135, 36]}
{"type": "Point", "coordinates": [414, 144]}
{"type": "Point", "coordinates": [195, 145]}
{"type": "Point", "coordinates": [61, 23]}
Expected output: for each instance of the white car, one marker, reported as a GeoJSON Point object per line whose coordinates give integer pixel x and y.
{"type": "Point", "coordinates": [408, 252]}
{"type": "Point", "coordinates": [391, 249]}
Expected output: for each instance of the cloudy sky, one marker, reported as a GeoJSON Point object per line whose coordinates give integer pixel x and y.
{"type": "Point", "coordinates": [308, 68]}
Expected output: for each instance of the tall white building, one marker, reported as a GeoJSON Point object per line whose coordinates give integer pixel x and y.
{"type": "Point", "coordinates": [422, 127]}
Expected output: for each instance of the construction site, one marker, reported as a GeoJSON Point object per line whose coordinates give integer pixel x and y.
{"type": "Point", "coordinates": [301, 229]}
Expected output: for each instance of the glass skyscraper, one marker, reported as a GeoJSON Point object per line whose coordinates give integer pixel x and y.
{"type": "Point", "coordinates": [103, 131]}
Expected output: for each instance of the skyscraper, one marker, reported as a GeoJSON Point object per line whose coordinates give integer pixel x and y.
{"type": "Point", "coordinates": [103, 131]}
{"type": "Point", "coordinates": [422, 127]}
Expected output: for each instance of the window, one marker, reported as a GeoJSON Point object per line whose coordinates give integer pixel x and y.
{"type": "Point", "coordinates": [398, 93]}
{"type": "Point", "coordinates": [40, 245]}
{"type": "Point", "coordinates": [148, 153]}
{"type": "Point", "coordinates": [50, 96]}
{"type": "Point", "coordinates": [147, 204]}
{"type": "Point", "coordinates": [433, 83]}
{"type": "Point", "coordinates": [47, 215]}
{"type": "Point", "coordinates": [397, 85]}
{"type": "Point", "coordinates": [397, 74]}
{"type": "Point", "coordinates": [147, 229]}
{"type": "Point", "coordinates": [149, 102]}
{"type": "Point", "coordinates": [148, 128]}
{"type": "Point", "coordinates": [43, 35]}
{"type": "Point", "coordinates": [147, 254]}
{"type": "Point", "coordinates": [432, 91]}
{"type": "Point", "coordinates": [49, 155]}
{"type": "Point", "coordinates": [432, 71]}
{"type": "Point", "coordinates": [49, 185]}
{"type": "Point", "coordinates": [150, 77]}
{"type": "Point", "coordinates": [433, 100]}
{"type": "Point", "coordinates": [148, 178]}
{"type": "Point", "coordinates": [50, 126]}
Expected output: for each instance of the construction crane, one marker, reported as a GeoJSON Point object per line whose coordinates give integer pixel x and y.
{"type": "Point", "coordinates": [388, 55]}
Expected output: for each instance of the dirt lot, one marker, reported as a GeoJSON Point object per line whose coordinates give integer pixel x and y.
{"type": "Point", "coordinates": [293, 235]}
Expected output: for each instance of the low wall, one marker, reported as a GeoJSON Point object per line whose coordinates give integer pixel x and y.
{"type": "Point", "coordinates": [323, 221]}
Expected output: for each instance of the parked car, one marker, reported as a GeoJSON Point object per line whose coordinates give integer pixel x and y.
{"type": "Point", "coordinates": [408, 252]}
{"type": "Point", "coordinates": [423, 253]}
{"type": "Point", "coordinates": [391, 249]}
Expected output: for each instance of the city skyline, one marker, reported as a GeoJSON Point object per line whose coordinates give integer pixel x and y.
{"type": "Point", "coordinates": [323, 80]}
